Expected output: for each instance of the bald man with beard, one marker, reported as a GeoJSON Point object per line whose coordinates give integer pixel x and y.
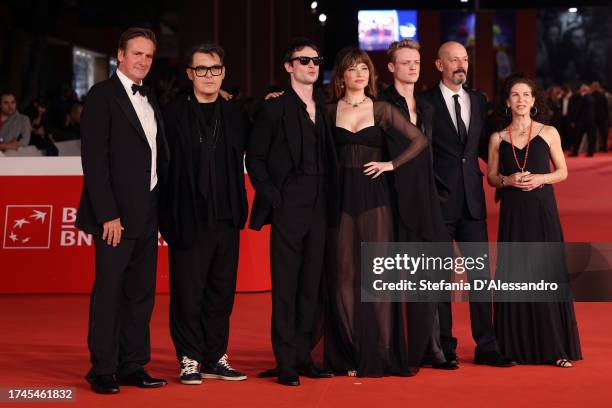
{"type": "Point", "coordinates": [458, 138]}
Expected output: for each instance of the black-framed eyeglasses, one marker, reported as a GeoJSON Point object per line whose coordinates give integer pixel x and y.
{"type": "Point", "coordinates": [306, 60]}
{"type": "Point", "coordinates": [202, 70]}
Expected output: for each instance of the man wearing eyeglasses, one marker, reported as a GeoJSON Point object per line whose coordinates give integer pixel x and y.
{"type": "Point", "coordinates": [204, 207]}
{"type": "Point", "coordinates": [292, 165]}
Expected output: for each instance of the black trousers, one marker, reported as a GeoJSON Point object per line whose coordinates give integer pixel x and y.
{"type": "Point", "coordinates": [467, 229]}
{"type": "Point", "coordinates": [567, 134]}
{"type": "Point", "coordinates": [122, 301]}
{"type": "Point", "coordinates": [602, 130]}
{"type": "Point", "coordinates": [297, 242]}
{"type": "Point", "coordinates": [202, 287]}
{"type": "Point", "coordinates": [591, 131]}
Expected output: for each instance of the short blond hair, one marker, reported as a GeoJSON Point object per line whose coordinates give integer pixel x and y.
{"type": "Point", "coordinates": [396, 45]}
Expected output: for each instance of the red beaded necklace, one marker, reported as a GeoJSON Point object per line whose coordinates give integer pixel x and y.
{"type": "Point", "coordinates": [522, 168]}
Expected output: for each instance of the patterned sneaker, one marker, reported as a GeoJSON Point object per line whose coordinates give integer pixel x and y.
{"type": "Point", "coordinates": [221, 370]}
{"type": "Point", "coordinates": [190, 374]}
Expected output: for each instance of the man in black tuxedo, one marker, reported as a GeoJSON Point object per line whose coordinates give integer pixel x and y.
{"type": "Point", "coordinates": [292, 164]}
{"type": "Point", "coordinates": [569, 103]}
{"type": "Point", "coordinates": [601, 115]}
{"type": "Point", "coordinates": [124, 153]}
{"type": "Point", "coordinates": [585, 121]}
{"type": "Point", "coordinates": [458, 138]}
{"type": "Point", "coordinates": [204, 207]}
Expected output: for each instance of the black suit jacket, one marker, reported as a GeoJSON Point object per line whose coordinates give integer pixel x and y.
{"type": "Point", "coordinates": [275, 151]}
{"type": "Point", "coordinates": [455, 163]}
{"type": "Point", "coordinates": [601, 106]}
{"type": "Point", "coordinates": [178, 220]}
{"type": "Point", "coordinates": [425, 110]}
{"type": "Point", "coordinates": [116, 160]}
{"type": "Point", "coordinates": [585, 111]}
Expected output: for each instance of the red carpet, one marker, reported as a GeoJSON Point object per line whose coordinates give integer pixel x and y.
{"type": "Point", "coordinates": [43, 343]}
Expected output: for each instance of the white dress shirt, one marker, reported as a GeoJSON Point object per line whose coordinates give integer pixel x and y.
{"type": "Point", "coordinates": [565, 104]}
{"type": "Point", "coordinates": [464, 102]}
{"type": "Point", "coordinates": [146, 116]}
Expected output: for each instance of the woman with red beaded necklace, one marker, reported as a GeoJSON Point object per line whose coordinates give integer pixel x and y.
{"type": "Point", "coordinates": [519, 166]}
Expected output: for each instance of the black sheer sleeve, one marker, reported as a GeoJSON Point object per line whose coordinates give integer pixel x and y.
{"type": "Point", "coordinates": [415, 194]}
{"type": "Point", "coordinates": [395, 123]}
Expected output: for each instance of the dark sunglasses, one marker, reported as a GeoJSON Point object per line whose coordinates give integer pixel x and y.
{"type": "Point", "coordinates": [306, 60]}
{"type": "Point", "coordinates": [202, 71]}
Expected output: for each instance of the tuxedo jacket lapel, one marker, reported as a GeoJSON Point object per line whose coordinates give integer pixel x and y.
{"type": "Point", "coordinates": [293, 129]}
{"type": "Point", "coordinates": [442, 107]}
{"type": "Point", "coordinates": [126, 105]}
{"type": "Point", "coordinates": [427, 116]}
{"type": "Point", "coordinates": [161, 131]}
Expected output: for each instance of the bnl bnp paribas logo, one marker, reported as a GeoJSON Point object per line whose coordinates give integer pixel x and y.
{"type": "Point", "coordinates": [29, 227]}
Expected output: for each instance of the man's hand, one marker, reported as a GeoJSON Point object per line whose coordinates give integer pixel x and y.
{"type": "Point", "coordinates": [225, 95]}
{"type": "Point", "coordinates": [112, 232]}
{"type": "Point", "coordinates": [273, 95]}
{"type": "Point", "coordinates": [12, 145]}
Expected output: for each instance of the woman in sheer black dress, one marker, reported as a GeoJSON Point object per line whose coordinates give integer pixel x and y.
{"type": "Point", "coordinates": [375, 339]}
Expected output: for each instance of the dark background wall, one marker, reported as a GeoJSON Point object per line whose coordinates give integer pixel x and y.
{"type": "Point", "coordinates": [36, 37]}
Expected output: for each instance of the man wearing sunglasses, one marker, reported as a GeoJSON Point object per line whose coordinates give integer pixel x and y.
{"type": "Point", "coordinates": [204, 207]}
{"type": "Point", "coordinates": [292, 165]}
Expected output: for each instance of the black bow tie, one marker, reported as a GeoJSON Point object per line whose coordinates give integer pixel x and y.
{"type": "Point", "coordinates": [139, 88]}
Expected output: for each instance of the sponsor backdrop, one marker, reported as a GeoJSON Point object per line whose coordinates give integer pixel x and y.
{"type": "Point", "coordinates": [43, 252]}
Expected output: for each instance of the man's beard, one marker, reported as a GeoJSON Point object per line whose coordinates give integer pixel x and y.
{"type": "Point", "coordinates": [459, 80]}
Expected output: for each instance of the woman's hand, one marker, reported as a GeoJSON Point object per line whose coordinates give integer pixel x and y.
{"type": "Point", "coordinates": [516, 179]}
{"type": "Point", "coordinates": [533, 181]}
{"type": "Point", "coordinates": [375, 169]}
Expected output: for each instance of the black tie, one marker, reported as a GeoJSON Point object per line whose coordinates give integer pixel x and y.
{"type": "Point", "coordinates": [460, 124]}
{"type": "Point", "coordinates": [139, 88]}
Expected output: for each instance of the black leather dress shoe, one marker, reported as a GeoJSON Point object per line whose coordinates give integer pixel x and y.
{"type": "Point", "coordinates": [447, 365]}
{"type": "Point", "coordinates": [104, 384]}
{"type": "Point", "coordinates": [272, 372]}
{"type": "Point", "coordinates": [312, 371]}
{"type": "Point", "coordinates": [451, 356]}
{"type": "Point", "coordinates": [142, 379]}
{"type": "Point", "coordinates": [289, 380]}
{"type": "Point", "coordinates": [493, 359]}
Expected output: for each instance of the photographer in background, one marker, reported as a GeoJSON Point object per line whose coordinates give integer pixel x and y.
{"type": "Point", "coordinates": [40, 136]}
{"type": "Point", "coordinates": [15, 128]}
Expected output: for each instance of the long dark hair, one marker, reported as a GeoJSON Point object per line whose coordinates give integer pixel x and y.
{"type": "Point", "coordinates": [502, 120]}
{"type": "Point", "coordinates": [346, 58]}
